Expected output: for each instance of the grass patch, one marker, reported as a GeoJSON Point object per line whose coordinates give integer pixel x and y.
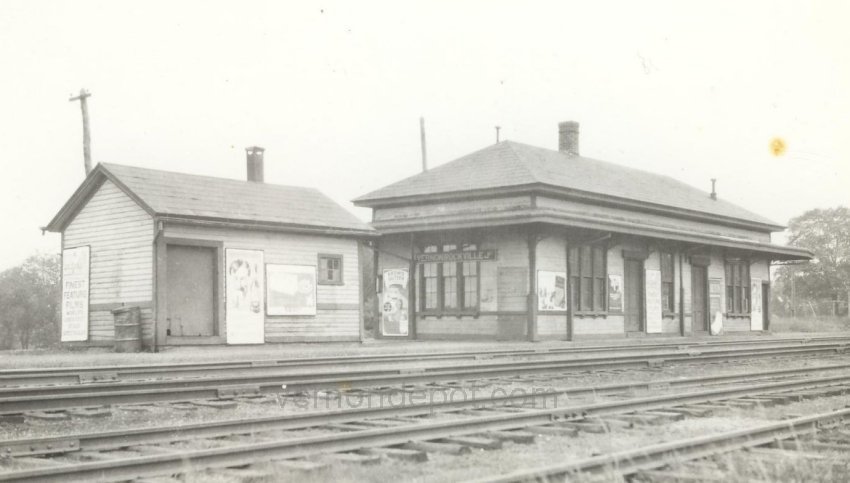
{"type": "Point", "coordinates": [809, 324]}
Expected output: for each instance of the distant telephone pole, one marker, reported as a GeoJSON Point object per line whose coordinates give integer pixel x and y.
{"type": "Point", "coordinates": [86, 136]}
{"type": "Point", "coordinates": [422, 142]}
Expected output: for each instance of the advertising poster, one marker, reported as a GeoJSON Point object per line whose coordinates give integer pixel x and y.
{"type": "Point", "coordinates": [245, 320]}
{"type": "Point", "coordinates": [394, 304]}
{"type": "Point", "coordinates": [75, 294]}
{"type": "Point", "coordinates": [653, 302]}
{"type": "Point", "coordinates": [756, 316]}
{"type": "Point", "coordinates": [615, 293]}
{"type": "Point", "coordinates": [291, 289]}
{"type": "Point", "coordinates": [715, 292]}
{"type": "Point", "coordinates": [551, 291]}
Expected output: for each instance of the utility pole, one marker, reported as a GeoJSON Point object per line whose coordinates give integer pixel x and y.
{"type": "Point", "coordinates": [86, 137]}
{"type": "Point", "coordinates": [422, 140]}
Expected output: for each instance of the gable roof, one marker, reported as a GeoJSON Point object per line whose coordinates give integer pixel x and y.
{"type": "Point", "coordinates": [194, 197]}
{"type": "Point", "coordinates": [510, 164]}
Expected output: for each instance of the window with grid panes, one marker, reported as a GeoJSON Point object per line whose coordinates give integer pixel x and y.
{"type": "Point", "coordinates": [588, 274]}
{"type": "Point", "coordinates": [668, 297]}
{"type": "Point", "coordinates": [330, 269]}
{"type": "Point", "coordinates": [737, 287]}
{"type": "Point", "coordinates": [449, 287]}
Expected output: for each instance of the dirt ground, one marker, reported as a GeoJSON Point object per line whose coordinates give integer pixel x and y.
{"type": "Point", "coordinates": [81, 357]}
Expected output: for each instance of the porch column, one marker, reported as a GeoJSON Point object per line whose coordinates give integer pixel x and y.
{"type": "Point", "coordinates": [532, 285]}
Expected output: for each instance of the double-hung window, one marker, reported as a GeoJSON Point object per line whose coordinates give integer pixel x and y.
{"type": "Point", "coordinates": [668, 291]}
{"type": "Point", "coordinates": [588, 274]}
{"type": "Point", "coordinates": [449, 287]}
{"type": "Point", "coordinates": [737, 287]}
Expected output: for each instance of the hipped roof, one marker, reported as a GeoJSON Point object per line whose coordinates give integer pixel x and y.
{"type": "Point", "coordinates": [510, 164]}
{"type": "Point", "coordinates": [195, 198]}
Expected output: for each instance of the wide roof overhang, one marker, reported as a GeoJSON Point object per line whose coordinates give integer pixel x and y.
{"type": "Point", "coordinates": [572, 220]}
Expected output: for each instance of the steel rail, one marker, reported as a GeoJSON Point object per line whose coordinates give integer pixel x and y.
{"type": "Point", "coordinates": [74, 375]}
{"type": "Point", "coordinates": [656, 456]}
{"type": "Point", "coordinates": [117, 438]}
{"type": "Point", "coordinates": [243, 454]}
{"type": "Point", "coordinates": [15, 400]}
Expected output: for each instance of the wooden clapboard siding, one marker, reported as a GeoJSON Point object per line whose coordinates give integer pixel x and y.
{"type": "Point", "coordinates": [552, 326]}
{"type": "Point", "coordinates": [466, 207]}
{"type": "Point", "coordinates": [484, 325]}
{"type": "Point", "coordinates": [120, 234]}
{"type": "Point", "coordinates": [552, 254]}
{"type": "Point", "coordinates": [294, 249]}
{"type": "Point", "coordinates": [613, 324]}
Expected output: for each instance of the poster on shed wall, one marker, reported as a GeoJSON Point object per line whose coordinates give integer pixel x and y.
{"type": "Point", "coordinates": [395, 318]}
{"type": "Point", "coordinates": [75, 294]}
{"type": "Point", "coordinates": [244, 290]}
{"type": "Point", "coordinates": [551, 291]}
{"type": "Point", "coordinates": [653, 302]}
{"type": "Point", "coordinates": [291, 289]}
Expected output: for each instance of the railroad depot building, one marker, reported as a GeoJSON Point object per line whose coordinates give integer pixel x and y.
{"type": "Point", "coordinates": [517, 242]}
{"type": "Point", "coordinates": [208, 260]}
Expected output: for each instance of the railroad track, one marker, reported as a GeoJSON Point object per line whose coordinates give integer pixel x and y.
{"type": "Point", "coordinates": [84, 375]}
{"type": "Point", "coordinates": [393, 432]}
{"type": "Point", "coordinates": [646, 462]}
{"type": "Point", "coordinates": [43, 398]}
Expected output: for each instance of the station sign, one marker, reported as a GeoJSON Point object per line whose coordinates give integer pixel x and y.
{"type": "Point", "coordinates": [468, 256]}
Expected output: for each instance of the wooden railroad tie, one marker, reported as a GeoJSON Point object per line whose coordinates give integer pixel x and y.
{"type": "Point", "coordinates": [397, 453]}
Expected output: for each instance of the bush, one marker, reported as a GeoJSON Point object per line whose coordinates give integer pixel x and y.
{"type": "Point", "coordinates": [30, 303]}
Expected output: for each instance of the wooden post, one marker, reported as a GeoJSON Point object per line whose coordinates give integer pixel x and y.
{"type": "Point", "coordinates": [86, 136]}
{"type": "Point", "coordinates": [376, 307]}
{"type": "Point", "coordinates": [532, 286]}
{"type": "Point", "coordinates": [422, 140]}
{"type": "Point", "coordinates": [411, 288]}
{"type": "Point", "coordinates": [681, 296]}
{"type": "Point", "coordinates": [569, 292]}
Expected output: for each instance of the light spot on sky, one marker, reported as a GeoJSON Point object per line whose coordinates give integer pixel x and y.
{"type": "Point", "coordinates": [777, 146]}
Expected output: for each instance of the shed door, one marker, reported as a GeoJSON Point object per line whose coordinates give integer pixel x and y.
{"type": "Point", "coordinates": [699, 291]}
{"type": "Point", "coordinates": [633, 290]}
{"type": "Point", "coordinates": [190, 274]}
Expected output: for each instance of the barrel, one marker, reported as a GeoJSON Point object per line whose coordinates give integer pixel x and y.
{"type": "Point", "coordinates": [128, 329]}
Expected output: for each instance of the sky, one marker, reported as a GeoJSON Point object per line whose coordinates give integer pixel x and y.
{"type": "Point", "coordinates": [334, 92]}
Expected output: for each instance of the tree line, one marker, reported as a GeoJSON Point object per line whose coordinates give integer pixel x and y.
{"type": "Point", "coordinates": [821, 286]}
{"type": "Point", "coordinates": [30, 303]}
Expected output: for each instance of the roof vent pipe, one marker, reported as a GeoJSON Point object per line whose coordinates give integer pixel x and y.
{"type": "Point", "coordinates": [568, 137]}
{"type": "Point", "coordinates": [255, 163]}
{"type": "Point", "coordinates": [713, 191]}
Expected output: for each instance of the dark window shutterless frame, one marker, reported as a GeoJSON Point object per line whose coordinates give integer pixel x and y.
{"type": "Point", "coordinates": [330, 269]}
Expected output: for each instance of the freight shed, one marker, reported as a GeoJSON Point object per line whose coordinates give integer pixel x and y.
{"type": "Point", "coordinates": [208, 260]}
{"type": "Point", "coordinates": [521, 242]}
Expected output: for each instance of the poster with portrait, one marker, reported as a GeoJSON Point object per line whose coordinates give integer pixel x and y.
{"type": "Point", "coordinates": [291, 289]}
{"type": "Point", "coordinates": [615, 293]}
{"type": "Point", "coordinates": [75, 294]}
{"type": "Point", "coordinates": [244, 292]}
{"type": "Point", "coordinates": [756, 316]}
{"type": "Point", "coordinates": [395, 319]}
{"type": "Point", "coordinates": [551, 291]}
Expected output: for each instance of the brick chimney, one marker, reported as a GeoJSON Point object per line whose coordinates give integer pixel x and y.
{"type": "Point", "coordinates": [255, 163]}
{"type": "Point", "coordinates": [568, 137]}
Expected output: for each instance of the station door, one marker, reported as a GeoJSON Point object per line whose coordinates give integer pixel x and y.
{"type": "Point", "coordinates": [190, 274]}
{"type": "Point", "coordinates": [633, 294]}
{"type": "Point", "coordinates": [699, 295]}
